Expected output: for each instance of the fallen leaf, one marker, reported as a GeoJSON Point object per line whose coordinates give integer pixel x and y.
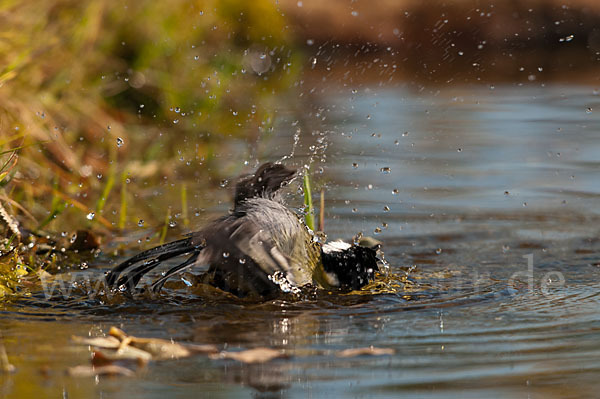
{"type": "Point", "coordinates": [117, 333]}
{"type": "Point", "coordinates": [159, 349]}
{"type": "Point", "coordinates": [98, 342]}
{"type": "Point", "coordinates": [127, 353]}
{"type": "Point", "coordinates": [120, 346]}
{"type": "Point", "coordinates": [256, 355]}
{"type": "Point", "coordinates": [201, 349]}
{"type": "Point", "coordinates": [371, 351]}
{"type": "Point", "coordinates": [90, 371]}
{"type": "Point", "coordinates": [5, 366]}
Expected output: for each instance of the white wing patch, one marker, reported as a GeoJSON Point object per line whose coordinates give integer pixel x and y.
{"type": "Point", "coordinates": [336, 246]}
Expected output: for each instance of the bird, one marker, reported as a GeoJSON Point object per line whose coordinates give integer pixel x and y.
{"type": "Point", "coordinates": [261, 248]}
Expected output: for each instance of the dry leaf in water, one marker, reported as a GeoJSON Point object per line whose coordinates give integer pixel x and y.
{"type": "Point", "coordinates": [256, 355]}
{"type": "Point", "coordinates": [159, 349]}
{"type": "Point", "coordinates": [120, 346]}
{"type": "Point", "coordinates": [90, 371]}
{"type": "Point", "coordinates": [98, 342]}
{"type": "Point", "coordinates": [371, 351]}
{"type": "Point", "coordinates": [127, 353]}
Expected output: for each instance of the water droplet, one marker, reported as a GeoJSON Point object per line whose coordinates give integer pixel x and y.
{"type": "Point", "coordinates": [438, 251]}
{"type": "Point", "coordinates": [404, 134]}
{"type": "Point", "coordinates": [186, 281]}
{"type": "Point", "coordinates": [395, 191]}
{"type": "Point", "coordinates": [90, 216]}
{"type": "Point", "coordinates": [588, 110]}
{"type": "Point", "coordinates": [242, 261]}
{"type": "Point", "coordinates": [224, 183]}
{"type": "Point", "coordinates": [524, 203]}
{"type": "Point", "coordinates": [354, 210]}
{"type": "Point", "coordinates": [505, 248]}
{"type": "Point", "coordinates": [120, 142]}
{"type": "Point", "coordinates": [354, 165]}
{"type": "Point", "coordinates": [567, 38]}
{"type": "Point", "coordinates": [377, 230]}
{"type": "Point", "coordinates": [386, 170]}
{"type": "Point", "coordinates": [354, 13]}
{"type": "Point", "coordinates": [386, 208]}
{"type": "Point", "coordinates": [176, 121]}
{"type": "Point", "coordinates": [226, 255]}
{"type": "Point", "coordinates": [172, 223]}
{"type": "Point", "coordinates": [459, 150]}
{"type": "Point", "coordinates": [141, 222]}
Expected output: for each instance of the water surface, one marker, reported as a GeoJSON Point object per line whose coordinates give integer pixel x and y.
{"type": "Point", "coordinates": [486, 200]}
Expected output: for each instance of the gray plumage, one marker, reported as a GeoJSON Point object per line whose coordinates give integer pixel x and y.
{"type": "Point", "coordinates": [260, 248]}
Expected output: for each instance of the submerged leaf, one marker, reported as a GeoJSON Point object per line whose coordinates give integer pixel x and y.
{"type": "Point", "coordinates": [159, 349]}
{"type": "Point", "coordinates": [126, 347]}
{"type": "Point", "coordinates": [256, 355]}
{"type": "Point", "coordinates": [126, 353]}
{"type": "Point", "coordinates": [98, 342]}
{"type": "Point", "coordinates": [90, 371]}
{"type": "Point", "coordinates": [371, 351]}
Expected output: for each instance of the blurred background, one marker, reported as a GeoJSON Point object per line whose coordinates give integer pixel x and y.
{"type": "Point", "coordinates": [462, 133]}
{"type": "Point", "coordinates": [102, 103]}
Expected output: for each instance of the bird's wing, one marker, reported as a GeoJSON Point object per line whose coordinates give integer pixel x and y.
{"type": "Point", "coordinates": [149, 260]}
{"type": "Point", "coordinates": [258, 245]}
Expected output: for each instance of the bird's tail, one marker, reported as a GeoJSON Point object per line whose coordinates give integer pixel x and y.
{"type": "Point", "coordinates": [127, 275]}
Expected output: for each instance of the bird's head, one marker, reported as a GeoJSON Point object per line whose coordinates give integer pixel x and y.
{"type": "Point", "coordinates": [349, 266]}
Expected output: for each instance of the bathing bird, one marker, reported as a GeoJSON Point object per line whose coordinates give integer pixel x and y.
{"type": "Point", "coordinates": [260, 248]}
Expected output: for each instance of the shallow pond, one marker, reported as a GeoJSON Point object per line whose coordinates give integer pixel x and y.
{"type": "Point", "coordinates": [486, 200]}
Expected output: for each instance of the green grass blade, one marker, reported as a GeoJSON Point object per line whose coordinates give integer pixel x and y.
{"type": "Point", "coordinates": [110, 182]}
{"type": "Point", "coordinates": [309, 217]}
{"type": "Point", "coordinates": [163, 233]}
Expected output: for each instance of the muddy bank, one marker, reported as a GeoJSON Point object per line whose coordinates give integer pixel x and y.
{"type": "Point", "coordinates": [465, 40]}
{"type": "Point", "coordinates": [437, 23]}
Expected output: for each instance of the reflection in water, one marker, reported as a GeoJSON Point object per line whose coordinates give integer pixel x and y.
{"type": "Point", "coordinates": [488, 213]}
